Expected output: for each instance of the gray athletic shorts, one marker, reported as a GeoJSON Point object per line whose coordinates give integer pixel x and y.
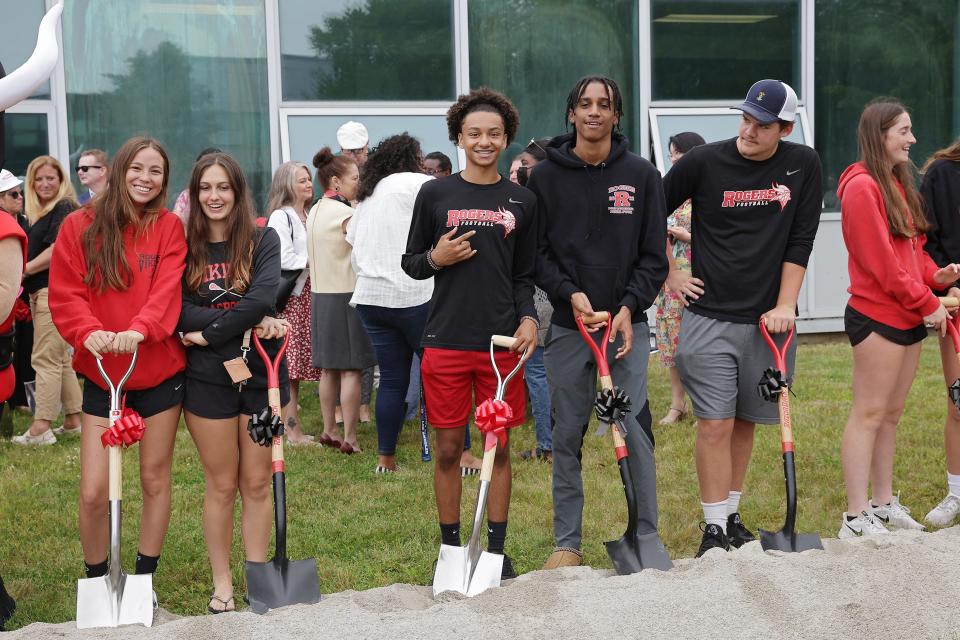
{"type": "Point", "coordinates": [720, 364]}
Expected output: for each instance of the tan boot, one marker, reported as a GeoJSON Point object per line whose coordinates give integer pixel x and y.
{"type": "Point", "coordinates": [564, 557]}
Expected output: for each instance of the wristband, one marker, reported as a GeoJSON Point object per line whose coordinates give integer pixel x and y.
{"type": "Point", "coordinates": [532, 319]}
{"type": "Point", "coordinates": [433, 265]}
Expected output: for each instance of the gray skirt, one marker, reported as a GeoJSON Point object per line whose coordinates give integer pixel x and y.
{"type": "Point", "coordinates": [338, 339]}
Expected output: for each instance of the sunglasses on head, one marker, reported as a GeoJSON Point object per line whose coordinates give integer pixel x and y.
{"type": "Point", "coordinates": [87, 167]}
{"type": "Point", "coordinates": [14, 194]}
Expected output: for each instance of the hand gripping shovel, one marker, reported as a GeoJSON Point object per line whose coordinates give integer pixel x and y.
{"type": "Point", "coordinates": [632, 552]}
{"type": "Point", "coordinates": [470, 570]}
{"type": "Point", "coordinates": [116, 598]}
{"type": "Point", "coordinates": [278, 582]}
{"type": "Point", "coordinates": [954, 331]}
{"type": "Point", "coordinates": [775, 388]}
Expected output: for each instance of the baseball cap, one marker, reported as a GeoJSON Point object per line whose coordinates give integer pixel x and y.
{"type": "Point", "coordinates": [769, 101]}
{"type": "Point", "coordinates": [352, 135]}
{"type": "Point", "coordinates": [8, 181]}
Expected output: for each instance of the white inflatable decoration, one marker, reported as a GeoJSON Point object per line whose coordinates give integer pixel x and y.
{"type": "Point", "coordinates": [20, 83]}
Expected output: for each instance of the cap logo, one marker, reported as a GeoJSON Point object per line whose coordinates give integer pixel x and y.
{"type": "Point", "coordinates": [760, 96]}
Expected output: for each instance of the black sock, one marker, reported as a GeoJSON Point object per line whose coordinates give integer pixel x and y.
{"type": "Point", "coordinates": [146, 564]}
{"type": "Point", "coordinates": [95, 570]}
{"type": "Point", "coordinates": [450, 534]}
{"type": "Point", "coordinates": [496, 536]}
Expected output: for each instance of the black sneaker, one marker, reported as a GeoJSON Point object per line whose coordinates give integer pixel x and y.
{"type": "Point", "coordinates": [507, 572]}
{"type": "Point", "coordinates": [713, 536]}
{"type": "Point", "coordinates": [738, 534]}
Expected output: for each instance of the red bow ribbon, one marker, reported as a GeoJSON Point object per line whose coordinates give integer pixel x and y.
{"type": "Point", "coordinates": [126, 431]}
{"type": "Point", "coordinates": [492, 416]}
{"type": "Point", "coordinates": [21, 311]}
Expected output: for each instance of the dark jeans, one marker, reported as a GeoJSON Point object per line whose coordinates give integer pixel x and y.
{"type": "Point", "coordinates": [396, 335]}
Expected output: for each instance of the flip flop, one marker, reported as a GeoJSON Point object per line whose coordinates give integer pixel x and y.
{"type": "Point", "coordinates": [225, 604]}
{"type": "Point", "coordinates": [327, 441]}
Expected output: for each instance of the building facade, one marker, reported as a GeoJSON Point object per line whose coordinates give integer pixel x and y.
{"type": "Point", "coordinates": [271, 80]}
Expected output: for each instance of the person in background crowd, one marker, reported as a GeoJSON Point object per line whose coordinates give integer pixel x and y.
{"type": "Point", "coordinates": [11, 201]}
{"type": "Point", "coordinates": [182, 206]}
{"type": "Point", "coordinates": [291, 195]}
{"type": "Point", "coordinates": [354, 142]}
{"type": "Point", "coordinates": [890, 301]}
{"type": "Point", "coordinates": [534, 372]}
{"type": "Point", "coordinates": [941, 194]}
{"type": "Point", "coordinates": [748, 266]}
{"type": "Point", "coordinates": [340, 343]}
{"type": "Point", "coordinates": [392, 305]}
{"type": "Point", "coordinates": [437, 164]}
{"type": "Point", "coordinates": [92, 168]}
{"type": "Point", "coordinates": [670, 303]}
{"type": "Point", "coordinates": [115, 289]}
{"type": "Point", "coordinates": [49, 198]}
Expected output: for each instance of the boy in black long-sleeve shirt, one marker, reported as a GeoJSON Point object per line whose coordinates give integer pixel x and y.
{"type": "Point", "coordinates": [475, 234]}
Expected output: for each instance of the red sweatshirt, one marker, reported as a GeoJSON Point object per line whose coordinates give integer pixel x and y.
{"type": "Point", "coordinates": [890, 276]}
{"type": "Point", "coordinates": [9, 229]}
{"type": "Point", "coordinates": [150, 305]}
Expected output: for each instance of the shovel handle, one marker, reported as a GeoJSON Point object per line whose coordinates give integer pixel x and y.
{"type": "Point", "coordinates": [489, 455]}
{"type": "Point", "coordinates": [783, 402]}
{"type": "Point", "coordinates": [273, 369]}
{"type": "Point", "coordinates": [949, 302]}
{"type": "Point", "coordinates": [600, 355]}
{"type": "Point", "coordinates": [954, 332]}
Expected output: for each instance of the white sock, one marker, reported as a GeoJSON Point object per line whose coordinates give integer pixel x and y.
{"type": "Point", "coordinates": [715, 513]}
{"type": "Point", "coordinates": [733, 502]}
{"type": "Point", "coordinates": [953, 481]}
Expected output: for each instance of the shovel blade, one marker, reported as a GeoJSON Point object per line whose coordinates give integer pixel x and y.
{"type": "Point", "coordinates": [279, 583]}
{"type": "Point", "coordinates": [101, 604]}
{"type": "Point", "coordinates": [633, 553]}
{"type": "Point", "coordinates": [456, 572]}
{"type": "Point", "coordinates": [790, 541]}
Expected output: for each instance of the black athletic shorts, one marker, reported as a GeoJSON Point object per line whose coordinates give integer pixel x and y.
{"type": "Point", "coordinates": [858, 326]}
{"type": "Point", "coordinates": [146, 402]}
{"type": "Point", "coordinates": [218, 402]}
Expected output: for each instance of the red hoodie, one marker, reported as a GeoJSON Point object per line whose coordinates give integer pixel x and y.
{"type": "Point", "coordinates": [9, 229]}
{"type": "Point", "coordinates": [890, 276]}
{"type": "Point", "coordinates": [150, 305]}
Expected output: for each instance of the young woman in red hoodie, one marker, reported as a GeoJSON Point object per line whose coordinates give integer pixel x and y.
{"type": "Point", "coordinates": [890, 301]}
{"type": "Point", "coordinates": [115, 287]}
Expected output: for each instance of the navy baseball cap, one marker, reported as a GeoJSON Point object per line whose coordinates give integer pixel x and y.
{"type": "Point", "coordinates": [769, 101]}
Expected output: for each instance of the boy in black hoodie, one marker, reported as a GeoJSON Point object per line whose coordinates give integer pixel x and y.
{"type": "Point", "coordinates": [601, 236]}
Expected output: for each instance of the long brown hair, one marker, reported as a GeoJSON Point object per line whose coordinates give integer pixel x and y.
{"type": "Point", "coordinates": [113, 211]}
{"type": "Point", "coordinates": [31, 201]}
{"type": "Point", "coordinates": [951, 153]}
{"type": "Point", "coordinates": [905, 216]}
{"type": "Point", "coordinates": [240, 228]}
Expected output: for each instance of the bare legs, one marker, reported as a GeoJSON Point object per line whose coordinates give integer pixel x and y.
{"type": "Point", "coordinates": [346, 383]}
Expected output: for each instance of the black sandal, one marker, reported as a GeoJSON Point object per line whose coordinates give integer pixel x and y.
{"type": "Point", "coordinates": [225, 603]}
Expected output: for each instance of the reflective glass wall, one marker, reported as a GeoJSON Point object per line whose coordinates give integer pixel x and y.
{"type": "Point", "coordinates": [192, 73]}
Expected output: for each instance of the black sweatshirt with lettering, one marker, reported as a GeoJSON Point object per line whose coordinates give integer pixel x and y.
{"type": "Point", "coordinates": [602, 230]}
{"type": "Point", "coordinates": [749, 218]}
{"type": "Point", "coordinates": [490, 292]}
{"type": "Point", "coordinates": [223, 315]}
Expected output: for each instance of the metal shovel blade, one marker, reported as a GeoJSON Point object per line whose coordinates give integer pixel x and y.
{"type": "Point", "coordinates": [470, 574]}
{"type": "Point", "coordinates": [784, 540]}
{"type": "Point", "coordinates": [634, 552]}
{"type": "Point", "coordinates": [101, 604]}
{"type": "Point", "coordinates": [279, 583]}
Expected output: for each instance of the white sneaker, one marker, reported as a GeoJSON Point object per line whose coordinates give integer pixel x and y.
{"type": "Point", "coordinates": [895, 515]}
{"type": "Point", "coordinates": [944, 513]}
{"type": "Point", "coordinates": [864, 525]}
{"type": "Point", "coordinates": [46, 437]}
{"type": "Point", "coordinates": [63, 430]}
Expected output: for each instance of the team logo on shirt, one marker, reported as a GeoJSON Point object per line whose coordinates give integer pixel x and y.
{"type": "Point", "coordinates": [621, 199]}
{"type": "Point", "coordinates": [752, 197]}
{"type": "Point", "coordinates": [148, 261]}
{"type": "Point", "coordinates": [482, 218]}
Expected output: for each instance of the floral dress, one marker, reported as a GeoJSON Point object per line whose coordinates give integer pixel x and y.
{"type": "Point", "coordinates": [669, 304]}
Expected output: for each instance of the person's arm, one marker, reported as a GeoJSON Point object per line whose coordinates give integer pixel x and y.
{"type": "Point", "coordinates": [157, 318]}
{"type": "Point", "coordinates": [806, 220]}
{"type": "Point", "coordinates": [783, 316]}
{"type": "Point", "coordinates": [281, 223]}
{"type": "Point", "coordinates": [650, 266]}
{"type": "Point", "coordinates": [260, 297]}
{"type": "Point", "coordinates": [40, 263]}
{"type": "Point", "coordinates": [936, 198]}
{"type": "Point", "coordinates": [524, 265]}
{"type": "Point", "coordinates": [69, 296]}
{"type": "Point", "coordinates": [414, 261]}
{"type": "Point", "coordinates": [11, 271]}
{"type": "Point", "coordinates": [680, 182]}
{"type": "Point", "coordinates": [549, 275]}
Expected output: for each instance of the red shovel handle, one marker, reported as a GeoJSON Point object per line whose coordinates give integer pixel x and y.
{"type": "Point", "coordinates": [273, 366]}
{"type": "Point", "coordinates": [779, 355]}
{"type": "Point", "coordinates": [603, 368]}
{"type": "Point", "coordinates": [954, 331]}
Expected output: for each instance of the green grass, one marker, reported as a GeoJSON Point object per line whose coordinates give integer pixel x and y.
{"type": "Point", "coordinates": [369, 531]}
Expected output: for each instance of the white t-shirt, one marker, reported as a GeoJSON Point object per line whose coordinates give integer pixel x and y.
{"type": "Point", "coordinates": [378, 232]}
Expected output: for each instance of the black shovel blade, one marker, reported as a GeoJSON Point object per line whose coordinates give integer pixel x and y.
{"type": "Point", "coordinates": [789, 541]}
{"type": "Point", "coordinates": [279, 583]}
{"type": "Point", "coordinates": [633, 553]}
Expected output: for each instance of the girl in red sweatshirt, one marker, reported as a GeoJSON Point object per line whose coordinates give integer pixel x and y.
{"type": "Point", "coordinates": [891, 275]}
{"type": "Point", "coordinates": [115, 287]}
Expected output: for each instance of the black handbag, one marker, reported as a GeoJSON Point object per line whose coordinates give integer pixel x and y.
{"type": "Point", "coordinates": [288, 277]}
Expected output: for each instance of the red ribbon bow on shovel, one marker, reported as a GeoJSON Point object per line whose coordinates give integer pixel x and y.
{"type": "Point", "coordinates": [492, 416]}
{"type": "Point", "coordinates": [126, 431]}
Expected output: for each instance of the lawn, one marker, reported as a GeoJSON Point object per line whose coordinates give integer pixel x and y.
{"type": "Point", "coordinates": [367, 530]}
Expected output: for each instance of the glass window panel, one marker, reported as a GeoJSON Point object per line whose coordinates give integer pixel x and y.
{"type": "Point", "coordinates": [20, 21]}
{"type": "Point", "coordinates": [309, 133]}
{"type": "Point", "coordinates": [191, 73]}
{"type": "Point", "coordinates": [367, 50]}
{"type": "Point", "coordinates": [535, 51]}
{"type": "Point", "coordinates": [26, 136]}
{"type": "Point", "coordinates": [712, 125]}
{"type": "Point", "coordinates": [715, 49]}
{"type": "Point", "coordinates": [908, 54]}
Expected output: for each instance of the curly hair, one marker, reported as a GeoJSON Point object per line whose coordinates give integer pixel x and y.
{"type": "Point", "coordinates": [395, 154]}
{"type": "Point", "coordinates": [482, 99]}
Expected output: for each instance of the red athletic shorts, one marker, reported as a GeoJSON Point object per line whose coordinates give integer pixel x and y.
{"type": "Point", "coordinates": [450, 377]}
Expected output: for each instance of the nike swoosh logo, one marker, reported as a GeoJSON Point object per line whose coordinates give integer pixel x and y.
{"type": "Point", "coordinates": [881, 518]}
{"type": "Point", "coordinates": [512, 201]}
{"type": "Point", "coordinates": [852, 530]}
{"type": "Point", "coordinates": [177, 388]}
{"type": "Point", "coordinates": [790, 173]}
